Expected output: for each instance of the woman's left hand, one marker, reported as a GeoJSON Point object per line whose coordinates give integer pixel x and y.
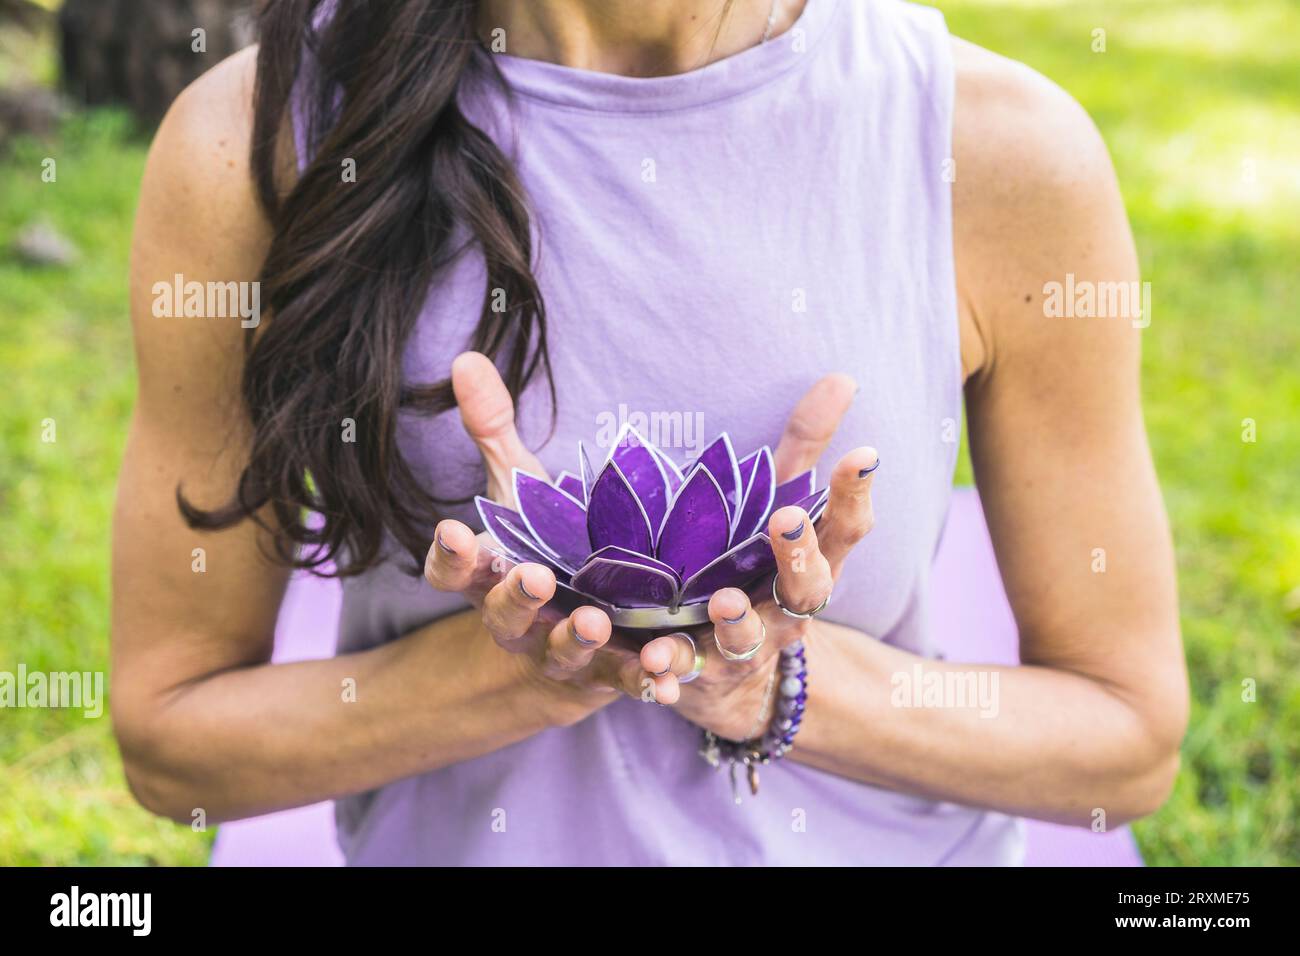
{"type": "Point", "coordinates": [732, 698]}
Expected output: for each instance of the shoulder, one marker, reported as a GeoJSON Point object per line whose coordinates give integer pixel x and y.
{"type": "Point", "coordinates": [200, 158]}
{"type": "Point", "coordinates": [1020, 136]}
{"type": "Point", "coordinates": [198, 217]}
{"type": "Point", "coordinates": [206, 133]}
{"type": "Point", "coordinates": [198, 186]}
{"type": "Point", "coordinates": [1035, 195]}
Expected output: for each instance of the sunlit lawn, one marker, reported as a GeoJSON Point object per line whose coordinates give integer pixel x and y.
{"type": "Point", "coordinates": [1200, 103]}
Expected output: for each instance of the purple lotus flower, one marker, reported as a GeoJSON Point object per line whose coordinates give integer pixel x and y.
{"type": "Point", "coordinates": [649, 541]}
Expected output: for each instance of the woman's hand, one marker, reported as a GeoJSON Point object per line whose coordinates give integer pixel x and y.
{"type": "Point", "coordinates": [572, 658]}
{"type": "Point", "coordinates": [733, 698]}
{"type": "Point", "coordinates": [580, 658]}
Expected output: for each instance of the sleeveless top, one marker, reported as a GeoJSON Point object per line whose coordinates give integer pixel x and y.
{"type": "Point", "coordinates": [709, 244]}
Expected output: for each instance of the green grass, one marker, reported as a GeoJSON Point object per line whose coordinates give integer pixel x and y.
{"type": "Point", "coordinates": [1185, 93]}
{"type": "Point", "coordinates": [1190, 95]}
{"type": "Point", "coordinates": [65, 354]}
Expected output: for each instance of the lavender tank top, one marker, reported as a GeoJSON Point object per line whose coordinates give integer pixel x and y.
{"type": "Point", "coordinates": [710, 243]}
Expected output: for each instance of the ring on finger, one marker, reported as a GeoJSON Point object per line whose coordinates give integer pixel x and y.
{"type": "Point", "coordinates": [798, 615]}
{"type": "Point", "coordinates": [699, 662]}
{"type": "Point", "coordinates": [743, 655]}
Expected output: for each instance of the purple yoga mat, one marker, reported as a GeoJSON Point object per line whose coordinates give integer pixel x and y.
{"type": "Point", "coordinates": [969, 609]}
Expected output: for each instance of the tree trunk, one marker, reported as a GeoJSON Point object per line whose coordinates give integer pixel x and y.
{"type": "Point", "coordinates": [142, 53]}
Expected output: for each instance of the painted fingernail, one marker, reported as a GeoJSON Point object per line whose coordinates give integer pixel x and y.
{"type": "Point", "coordinates": [663, 672]}
{"type": "Point", "coordinates": [866, 471]}
{"type": "Point", "coordinates": [793, 534]}
{"type": "Point", "coordinates": [737, 620]}
{"type": "Point", "coordinates": [443, 544]}
{"type": "Point", "coordinates": [531, 597]}
{"type": "Point", "coordinates": [576, 636]}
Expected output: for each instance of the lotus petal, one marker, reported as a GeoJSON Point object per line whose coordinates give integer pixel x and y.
{"type": "Point", "coordinates": [585, 472]}
{"type": "Point", "coordinates": [697, 527]}
{"type": "Point", "coordinates": [644, 472]}
{"type": "Point", "coordinates": [626, 584]}
{"type": "Point", "coordinates": [720, 458]}
{"type": "Point", "coordinates": [795, 490]}
{"type": "Point", "coordinates": [615, 553]}
{"type": "Point", "coordinates": [747, 464]}
{"type": "Point", "coordinates": [815, 503]}
{"type": "Point", "coordinates": [760, 489]}
{"type": "Point", "coordinates": [675, 476]}
{"type": "Point", "coordinates": [571, 484]}
{"type": "Point", "coordinates": [615, 516]}
{"type": "Point", "coordinates": [505, 525]}
{"type": "Point", "coordinates": [650, 543]}
{"type": "Point", "coordinates": [556, 520]}
{"type": "Point", "coordinates": [736, 568]}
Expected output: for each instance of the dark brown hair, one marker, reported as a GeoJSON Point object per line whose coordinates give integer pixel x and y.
{"type": "Point", "coordinates": [351, 263]}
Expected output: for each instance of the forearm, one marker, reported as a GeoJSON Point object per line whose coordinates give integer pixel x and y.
{"type": "Point", "coordinates": [267, 737]}
{"type": "Point", "coordinates": [1028, 740]}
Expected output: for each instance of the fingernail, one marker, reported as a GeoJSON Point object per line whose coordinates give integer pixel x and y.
{"type": "Point", "coordinates": [866, 471]}
{"type": "Point", "coordinates": [442, 544]}
{"type": "Point", "coordinates": [737, 620]}
{"type": "Point", "coordinates": [793, 534]}
{"type": "Point", "coordinates": [663, 672]}
{"type": "Point", "coordinates": [531, 597]}
{"type": "Point", "coordinates": [576, 636]}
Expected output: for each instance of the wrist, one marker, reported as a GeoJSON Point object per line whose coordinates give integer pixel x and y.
{"type": "Point", "coordinates": [543, 699]}
{"type": "Point", "coordinates": [741, 713]}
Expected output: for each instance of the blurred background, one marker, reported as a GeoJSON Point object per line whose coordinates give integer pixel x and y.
{"type": "Point", "coordinates": [1199, 101]}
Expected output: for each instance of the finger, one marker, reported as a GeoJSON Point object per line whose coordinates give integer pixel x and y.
{"type": "Point", "coordinates": [803, 573]}
{"type": "Point", "coordinates": [462, 563]}
{"type": "Point", "coordinates": [663, 689]}
{"type": "Point", "coordinates": [573, 642]}
{"type": "Point", "coordinates": [669, 654]}
{"type": "Point", "coordinates": [511, 607]}
{"type": "Point", "coordinates": [623, 669]}
{"type": "Point", "coordinates": [849, 515]}
{"type": "Point", "coordinates": [736, 625]}
{"type": "Point", "coordinates": [488, 413]}
{"type": "Point", "coordinates": [452, 558]}
{"type": "Point", "coordinates": [626, 674]}
{"type": "Point", "coordinates": [812, 425]}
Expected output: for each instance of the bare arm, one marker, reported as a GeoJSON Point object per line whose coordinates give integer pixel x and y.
{"type": "Point", "coordinates": [1095, 717]}
{"type": "Point", "coordinates": [202, 718]}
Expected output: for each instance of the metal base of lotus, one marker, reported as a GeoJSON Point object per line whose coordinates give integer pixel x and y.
{"type": "Point", "coordinates": [653, 618]}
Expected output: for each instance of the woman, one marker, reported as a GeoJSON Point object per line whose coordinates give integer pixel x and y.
{"type": "Point", "coordinates": [822, 209]}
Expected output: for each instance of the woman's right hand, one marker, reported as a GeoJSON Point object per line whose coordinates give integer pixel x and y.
{"type": "Point", "coordinates": [572, 658]}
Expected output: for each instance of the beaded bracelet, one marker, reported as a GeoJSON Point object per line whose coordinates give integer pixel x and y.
{"type": "Point", "coordinates": [777, 741]}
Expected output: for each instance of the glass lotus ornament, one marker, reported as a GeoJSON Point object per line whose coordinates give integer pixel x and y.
{"type": "Point", "coordinates": [645, 540]}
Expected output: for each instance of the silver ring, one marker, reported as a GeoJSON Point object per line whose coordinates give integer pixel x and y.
{"type": "Point", "coordinates": [699, 660]}
{"type": "Point", "coordinates": [807, 616]}
{"type": "Point", "coordinates": [743, 655]}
